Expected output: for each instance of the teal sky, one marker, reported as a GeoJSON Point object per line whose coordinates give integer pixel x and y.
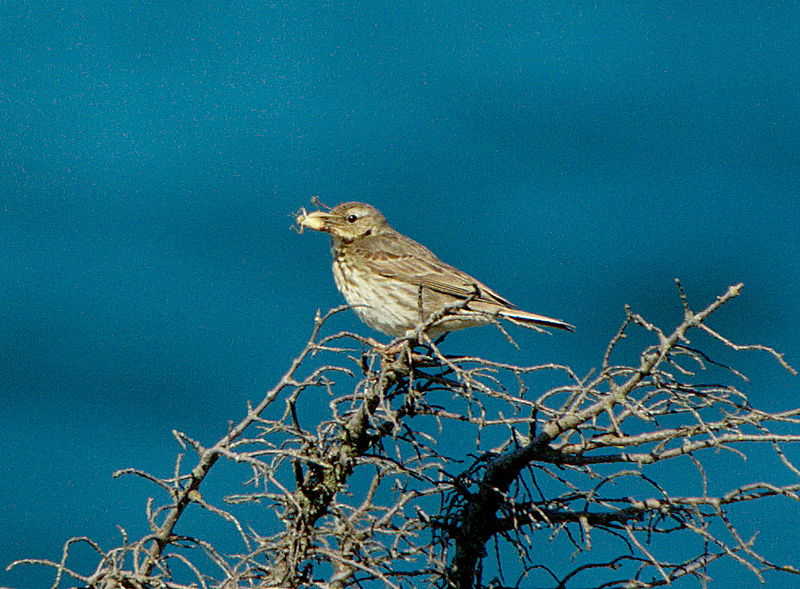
{"type": "Point", "coordinates": [576, 157]}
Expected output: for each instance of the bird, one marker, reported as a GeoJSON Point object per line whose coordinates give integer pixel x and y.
{"type": "Point", "coordinates": [395, 285]}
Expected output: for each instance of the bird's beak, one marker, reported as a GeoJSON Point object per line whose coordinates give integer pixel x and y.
{"type": "Point", "coordinates": [315, 220]}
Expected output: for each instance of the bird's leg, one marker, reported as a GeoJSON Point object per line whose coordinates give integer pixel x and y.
{"type": "Point", "coordinates": [403, 350]}
{"type": "Point", "coordinates": [390, 351]}
{"type": "Point", "coordinates": [386, 352]}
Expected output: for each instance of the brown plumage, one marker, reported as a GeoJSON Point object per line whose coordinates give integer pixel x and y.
{"type": "Point", "coordinates": [395, 284]}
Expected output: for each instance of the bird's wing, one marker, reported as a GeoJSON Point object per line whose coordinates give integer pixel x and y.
{"type": "Point", "coordinates": [396, 256]}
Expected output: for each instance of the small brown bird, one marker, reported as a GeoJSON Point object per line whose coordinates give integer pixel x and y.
{"type": "Point", "coordinates": [395, 284]}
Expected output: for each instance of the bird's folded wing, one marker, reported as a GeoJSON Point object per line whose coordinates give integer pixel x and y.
{"type": "Point", "coordinates": [418, 266]}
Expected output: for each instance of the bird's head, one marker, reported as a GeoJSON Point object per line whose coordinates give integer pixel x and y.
{"type": "Point", "coordinates": [348, 221]}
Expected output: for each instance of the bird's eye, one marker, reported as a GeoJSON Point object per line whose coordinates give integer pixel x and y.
{"type": "Point", "coordinates": [352, 218]}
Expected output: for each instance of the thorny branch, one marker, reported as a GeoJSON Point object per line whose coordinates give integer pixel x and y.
{"type": "Point", "coordinates": [401, 466]}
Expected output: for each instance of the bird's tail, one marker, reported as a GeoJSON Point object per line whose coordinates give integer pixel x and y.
{"type": "Point", "coordinates": [525, 317]}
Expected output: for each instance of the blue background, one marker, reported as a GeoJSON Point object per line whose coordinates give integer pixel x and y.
{"type": "Point", "coordinates": [574, 156]}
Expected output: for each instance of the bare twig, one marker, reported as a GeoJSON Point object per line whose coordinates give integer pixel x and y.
{"type": "Point", "coordinates": [402, 466]}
